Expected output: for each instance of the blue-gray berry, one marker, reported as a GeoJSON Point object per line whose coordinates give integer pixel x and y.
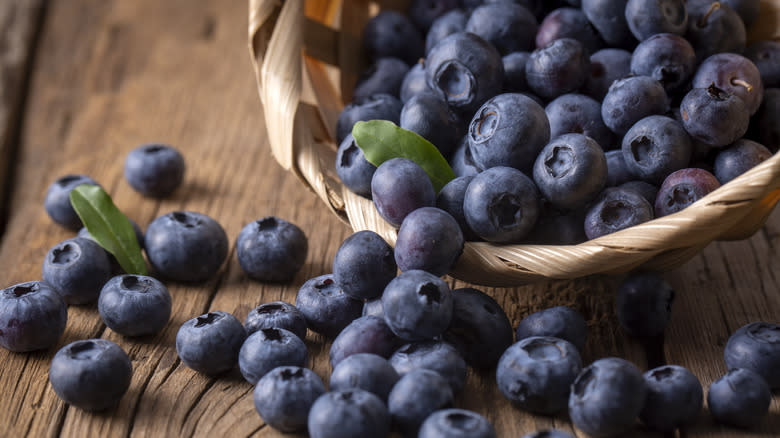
{"type": "Point", "coordinates": [91, 374]}
{"type": "Point", "coordinates": [135, 305]}
{"type": "Point", "coordinates": [32, 316]}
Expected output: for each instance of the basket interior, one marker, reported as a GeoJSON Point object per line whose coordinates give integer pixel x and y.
{"type": "Point", "coordinates": [331, 66]}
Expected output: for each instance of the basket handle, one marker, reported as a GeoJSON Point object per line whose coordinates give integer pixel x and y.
{"type": "Point", "coordinates": [276, 57]}
{"type": "Point", "coordinates": [276, 40]}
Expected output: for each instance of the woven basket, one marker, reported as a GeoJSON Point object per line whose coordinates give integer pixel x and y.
{"type": "Point", "coordinates": [306, 63]}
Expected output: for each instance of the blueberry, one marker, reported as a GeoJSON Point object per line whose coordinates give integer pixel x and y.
{"type": "Point", "coordinates": [367, 334]}
{"type": "Point", "coordinates": [400, 186]}
{"type": "Point", "coordinates": [429, 116]}
{"type": "Point", "coordinates": [373, 307]}
{"type": "Point", "coordinates": [740, 398]}
{"type": "Point", "coordinates": [766, 56]}
{"type": "Point", "coordinates": [269, 348]}
{"type": "Point", "coordinates": [186, 246]}
{"type": "Point", "coordinates": [417, 305]}
{"type": "Point", "coordinates": [353, 168]}
{"type": "Point", "coordinates": [501, 204]}
{"type": "Point", "coordinates": [391, 34]}
{"type": "Point", "coordinates": [91, 374]}
{"type": "Point", "coordinates": [435, 356]}
{"type": "Point", "coordinates": [465, 70]}
{"type": "Point", "coordinates": [682, 188]}
{"type": "Point", "coordinates": [363, 265]}
{"type": "Point", "coordinates": [735, 75]}
{"type": "Point", "coordinates": [616, 209]}
{"type": "Point", "coordinates": [154, 169]}
{"type": "Point", "coordinates": [514, 72]}
{"type": "Point", "coordinates": [644, 304]}
{"type": "Point", "coordinates": [450, 199]}
{"type": "Point", "coordinates": [449, 23]}
{"type": "Point", "coordinates": [548, 433]}
{"type": "Point", "coordinates": [767, 130]}
{"type": "Point", "coordinates": [646, 18]}
{"type": "Point", "coordinates": [57, 201]}
{"type": "Point", "coordinates": [325, 306]}
{"type": "Point", "coordinates": [135, 305]}
{"type": "Point", "coordinates": [508, 130]}
{"type": "Point", "coordinates": [365, 371]}
{"type": "Point", "coordinates": [535, 373]}
{"type": "Point", "coordinates": [577, 113]}
{"type": "Point", "coordinates": [738, 158]}
{"type": "Point", "coordinates": [284, 396]}
{"type": "Point", "coordinates": [674, 398]}
{"type": "Point", "coordinates": [32, 316]}
{"type": "Point", "coordinates": [556, 227]}
{"type": "Point", "coordinates": [77, 269]}
{"type": "Point", "coordinates": [508, 26]}
{"type": "Point", "coordinates": [609, 18]}
{"type": "Point", "coordinates": [655, 147]}
{"type": "Point", "coordinates": [417, 395]}
{"type": "Point", "coordinates": [559, 322]}
{"type": "Point", "coordinates": [353, 413]}
{"type": "Point", "coordinates": [414, 83]}
{"type": "Point", "coordinates": [713, 27]}
{"type": "Point", "coordinates": [606, 397]}
{"type": "Point", "coordinates": [479, 329]}
{"type": "Point", "coordinates": [756, 347]}
{"type": "Point", "coordinates": [462, 162]}
{"type": "Point", "coordinates": [618, 171]}
{"type": "Point", "coordinates": [630, 100]}
{"type": "Point", "coordinates": [430, 240]}
{"type": "Point", "coordinates": [568, 23]}
{"type": "Point", "coordinates": [704, 109]}
{"type": "Point", "coordinates": [558, 68]}
{"type": "Point", "coordinates": [376, 107]}
{"type": "Point", "coordinates": [606, 66]}
{"type": "Point", "coordinates": [456, 423]}
{"type": "Point", "coordinates": [667, 58]}
{"type": "Point", "coordinates": [276, 314]}
{"type": "Point", "coordinates": [271, 249]}
{"type": "Point", "coordinates": [647, 190]}
{"type": "Point", "coordinates": [424, 12]}
{"type": "Point", "coordinates": [384, 76]}
{"type": "Point", "coordinates": [570, 171]}
{"type": "Point", "coordinates": [210, 343]}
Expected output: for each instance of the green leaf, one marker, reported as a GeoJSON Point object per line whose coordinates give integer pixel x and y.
{"type": "Point", "coordinates": [382, 140]}
{"type": "Point", "coordinates": [110, 228]}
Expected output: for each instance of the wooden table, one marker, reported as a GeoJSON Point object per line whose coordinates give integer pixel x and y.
{"type": "Point", "coordinates": [85, 81]}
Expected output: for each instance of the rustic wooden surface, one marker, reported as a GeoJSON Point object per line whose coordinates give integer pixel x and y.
{"type": "Point", "coordinates": [19, 24]}
{"type": "Point", "coordinates": [109, 75]}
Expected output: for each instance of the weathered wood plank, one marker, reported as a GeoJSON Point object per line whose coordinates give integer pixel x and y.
{"type": "Point", "coordinates": [113, 74]}
{"type": "Point", "coordinates": [19, 24]}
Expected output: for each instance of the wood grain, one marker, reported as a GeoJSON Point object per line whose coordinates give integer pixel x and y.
{"type": "Point", "coordinates": [112, 74]}
{"type": "Point", "coordinates": [20, 21]}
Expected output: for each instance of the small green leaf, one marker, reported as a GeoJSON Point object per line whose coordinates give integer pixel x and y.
{"type": "Point", "coordinates": [382, 140]}
{"type": "Point", "coordinates": [110, 228]}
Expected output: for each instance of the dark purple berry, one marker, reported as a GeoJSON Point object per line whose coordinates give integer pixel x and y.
{"type": "Point", "coordinates": [682, 188]}
{"type": "Point", "coordinates": [430, 240]}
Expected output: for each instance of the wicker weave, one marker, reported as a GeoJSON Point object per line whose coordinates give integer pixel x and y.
{"type": "Point", "coordinates": [302, 99]}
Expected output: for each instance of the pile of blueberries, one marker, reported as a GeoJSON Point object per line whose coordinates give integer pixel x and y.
{"type": "Point", "coordinates": [563, 120]}
{"type": "Point", "coordinates": [181, 246]}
